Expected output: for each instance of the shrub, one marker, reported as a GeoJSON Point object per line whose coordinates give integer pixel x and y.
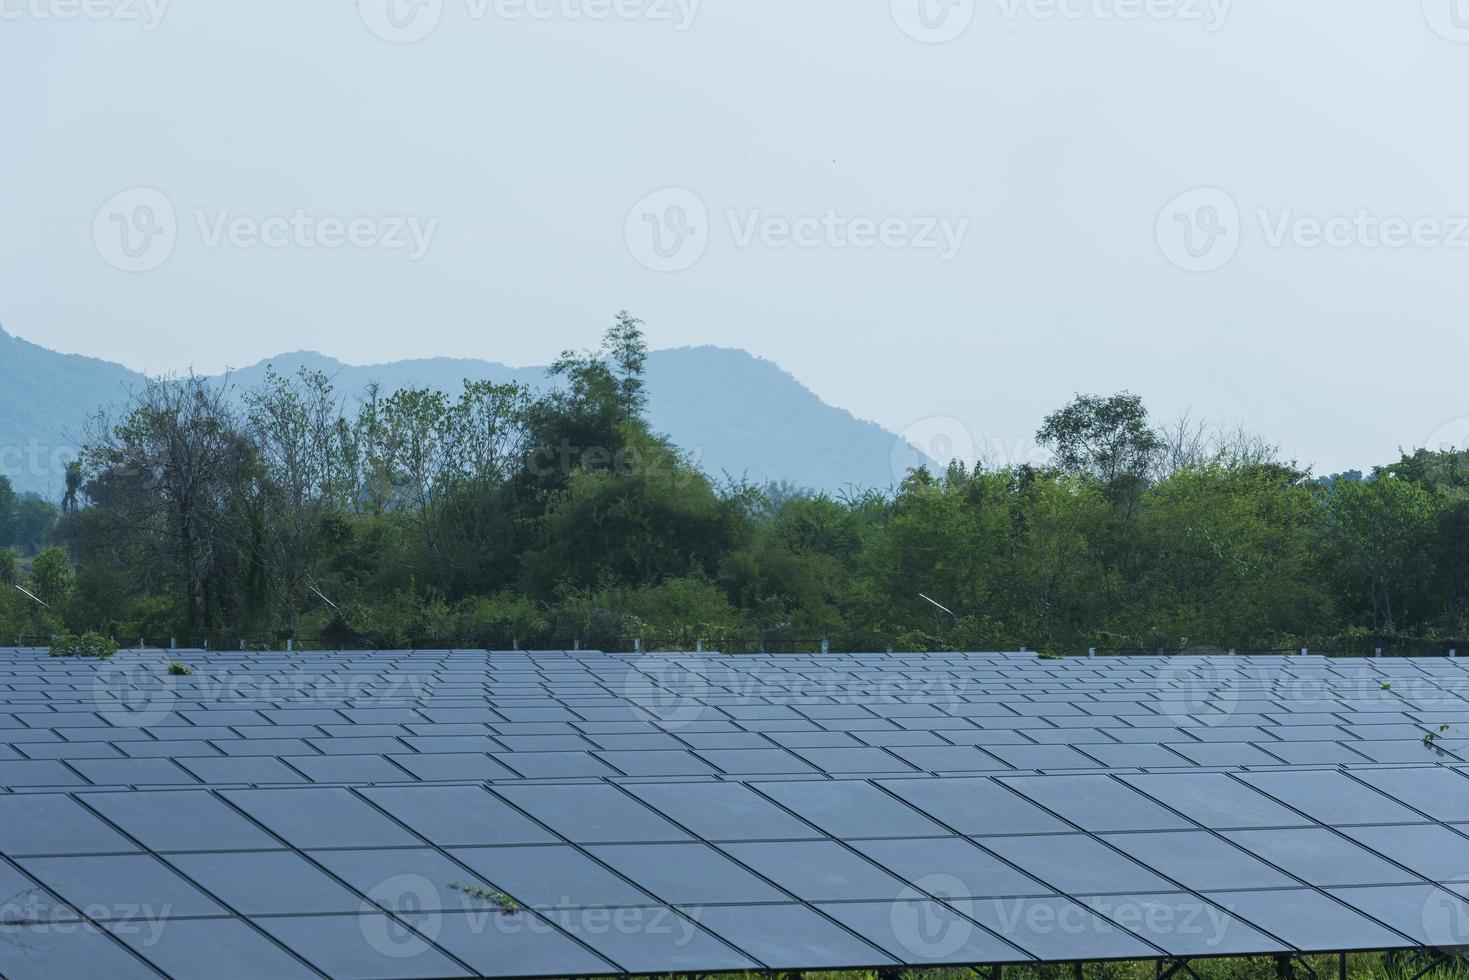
{"type": "Point", "coordinates": [180, 670]}
{"type": "Point", "coordinates": [86, 645]}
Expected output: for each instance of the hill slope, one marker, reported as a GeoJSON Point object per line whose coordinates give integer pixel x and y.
{"type": "Point", "coordinates": [734, 413]}
{"type": "Point", "coordinates": [45, 401]}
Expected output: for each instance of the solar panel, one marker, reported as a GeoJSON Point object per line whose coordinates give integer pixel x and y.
{"type": "Point", "coordinates": [1199, 860]}
{"type": "Point", "coordinates": [790, 936]}
{"type": "Point", "coordinates": [266, 882]}
{"type": "Point", "coordinates": [950, 867]}
{"type": "Point", "coordinates": [817, 871]}
{"type": "Point", "coordinates": [1075, 864]}
{"type": "Point", "coordinates": [852, 811]}
{"type": "Point", "coordinates": [1320, 857]}
{"type": "Point", "coordinates": [118, 886]}
{"type": "Point", "coordinates": [552, 877]}
{"type": "Point", "coordinates": [1308, 920]}
{"type": "Point", "coordinates": [212, 948]}
{"type": "Point", "coordinates": [1097, 803]}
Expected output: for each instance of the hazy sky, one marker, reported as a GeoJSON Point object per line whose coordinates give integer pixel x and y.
{"type": "Point", "coordinates": [927, 210]}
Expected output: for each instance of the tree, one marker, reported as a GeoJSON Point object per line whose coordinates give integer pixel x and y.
{"type": "Point", "coordinates": [1230, 557]}
{"type": "Point", "coordinates": [625, 347]}
{"type": "Point", "coordinates": [70, 501]}
{"type": "Point", "coordinates": [167, 474]}
{"type": "Point", "coordinates": [1106, 439]}
{"type": "Point", "coordinates": [52, 577]}
{"type": "Point", "coordinates": [1379, 530]}
{"type": "Point", "coordinates": [8, 514]}
{"type": "Point", "coordinates": [307, 474]}
{"type": "Point", "coordinates": [35, 522]}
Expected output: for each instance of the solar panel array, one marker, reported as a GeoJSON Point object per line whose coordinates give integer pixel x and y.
{"type": "Point", "coordinates": [447, 814]}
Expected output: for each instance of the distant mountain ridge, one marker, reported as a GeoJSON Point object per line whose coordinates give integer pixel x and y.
{"type": "Point", "coordinates": [734, 413]}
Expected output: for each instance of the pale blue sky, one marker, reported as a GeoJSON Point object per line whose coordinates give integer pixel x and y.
{"type": "Point", "coordinates": [817, 149]}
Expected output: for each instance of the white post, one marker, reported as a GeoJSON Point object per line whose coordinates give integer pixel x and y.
{"type": "Point", "coordinates": [1378, 653]}
{"type": "Point", "coordinates": [1231, 651]}
{"type": "Point", "coordinates": [576, 644]}
{"type": "Point", "coordinates": [290, 645]}
{"type": "Point", "coordinates": [637, 644]}
{"type": "Point", "coordinates": [1091, 651]}
{"type": "Point", "coordinates": [173, 643]}
{"type": "Point", "coordinates": [825, 646]}
{"type": "Point", "coordinates": [698, 646]}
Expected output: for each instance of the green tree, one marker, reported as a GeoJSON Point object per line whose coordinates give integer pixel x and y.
{"type": "Point", "coordinates": [1107, 439]}
{"type": "Point", "coordinates": [1379, 530]}
{"type": "Point", "coordinates": [8, 515]}
{"type": "Point", "coordinates": [1230, 557]}
{"type": "Point", "coordinates": [52, 577]}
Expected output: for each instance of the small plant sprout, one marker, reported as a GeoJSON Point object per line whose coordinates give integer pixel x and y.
{"type": "Point", "coordinates": [180, 670]}
{"type": "Point", "coordinates": [492, 896]}
{"type": "Point", "coordinates": [1386, 686]}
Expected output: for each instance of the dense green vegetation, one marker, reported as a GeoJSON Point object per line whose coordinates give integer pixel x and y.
{"type": "Point", "coordinates": [494, 516]}
{"type": "Point", "coordinates": [1360, 966]}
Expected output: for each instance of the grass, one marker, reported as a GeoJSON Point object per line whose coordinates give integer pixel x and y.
{"type": "Point", "coordinates": [502, 901]}
{"type": "Point", "coordinates": [1360, 966]}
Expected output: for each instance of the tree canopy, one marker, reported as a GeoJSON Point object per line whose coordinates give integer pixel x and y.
{"type": "Point", "coordinates": [492, 516]}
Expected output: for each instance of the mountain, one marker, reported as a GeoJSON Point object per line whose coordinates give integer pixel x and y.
{"type": "Point", "coordinates": [734, 413]}
{"type": "Point", "coordinates": [45, 401]}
